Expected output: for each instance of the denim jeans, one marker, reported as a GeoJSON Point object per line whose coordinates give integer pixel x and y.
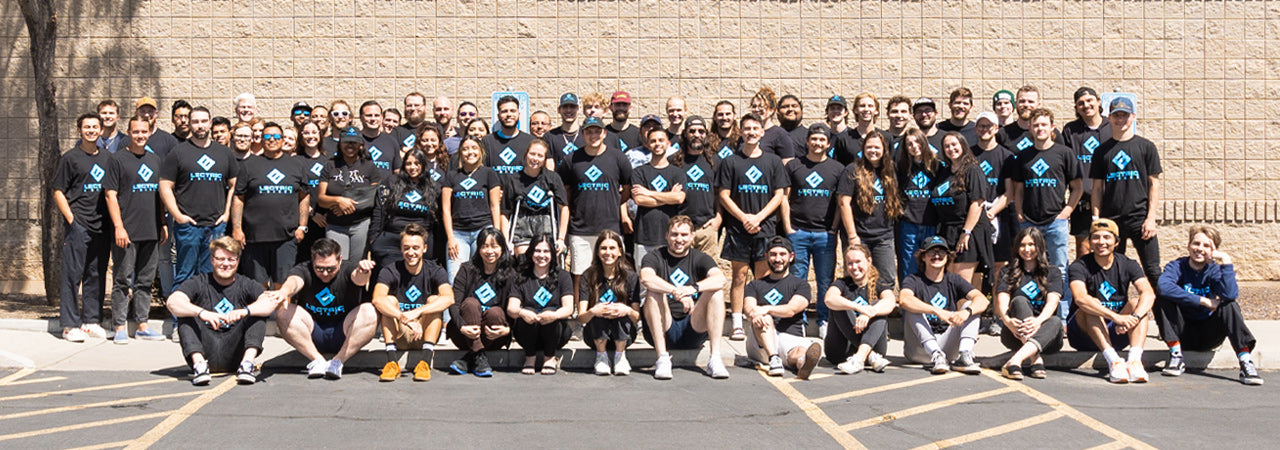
{"type": "Point", "coordinates": [466, 244]}
{"type": "Point", "coordinates": [1057, 239]}
{"type": "Point", "coordinates": [821, 247]}
{"type": "Point", "coordinates": [910, 237]}
{"type": "Point", "coordinates": [192, 242]}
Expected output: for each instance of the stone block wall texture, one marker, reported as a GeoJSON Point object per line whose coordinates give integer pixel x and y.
{"type": "Point", "coordinates": [1205, 72]}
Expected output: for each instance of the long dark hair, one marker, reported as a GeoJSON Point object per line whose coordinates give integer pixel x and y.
{"type": "Point", "coordinates": [866, 175]}
{"type": "Point", "coordinates": [594, 278]}
{"type": "Point", "coordinates": [423, 184]}
{"type": "Point", "coordinates": [928, 160]}
{"type": "Point", "coordinates": [441, 157]}
{"type": "Point", "coordinates": [526, 260]}
{"type": "Point", "coordinates": [503, 268]}
{"type": "Point", "coordinates": [713, 139]}
{"type": "Point", "coordinates": [1013, 272]}
{"type": "Point", "coordinates": [961, 166]}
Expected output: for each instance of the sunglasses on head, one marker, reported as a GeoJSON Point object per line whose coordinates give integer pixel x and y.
{"type": "Point", "coordinates": [272, 137]}
{"type": "Point", "coordinates": [340, 113]}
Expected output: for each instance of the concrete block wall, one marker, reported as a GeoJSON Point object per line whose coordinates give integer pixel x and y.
{"type": "Point", "coordinates": [1205, 71]}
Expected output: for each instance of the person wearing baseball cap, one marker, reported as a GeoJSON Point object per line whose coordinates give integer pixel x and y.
{"type": "Point", "coordinates": [837, 113]}
{"type": "Point", "coordinates": [161, 142]}
{"type": "Point", "coordinates": [598, 183]}
{"type": "Point", "coordinates": [925, 113]}
{"type": "Point", "coordinates": [1002, 105]}
{"type": "Point", "coordinates": [1103, 317]}
{"type": "Point", "coordinates": [562, 137]}
{"type": "Point", "coordinates": [941, 312]}
{"type": "Point", "coordinates": [1083, 136]}
{"type": "Point", "coordinates": [300, 112]}
{"type": "Point", "coordinates": [994, 159]}
{"type": "Point", "coordinates": [810, 212]}
{"type": "Point", "coordinates": [775, 305]}
{"type": "Point", "coordinates": [620, 107]}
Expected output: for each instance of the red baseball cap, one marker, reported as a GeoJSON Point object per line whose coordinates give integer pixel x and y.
{"type": "Point", "coordinates": [621, 97]}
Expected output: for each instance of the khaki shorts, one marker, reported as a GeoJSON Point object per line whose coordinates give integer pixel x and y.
{"type": "Point", "coordinates": [706, 240]}
{"type": "Point", "coordinates": [580, 248]}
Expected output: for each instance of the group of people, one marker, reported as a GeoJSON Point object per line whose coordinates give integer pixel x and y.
{"type": "Point", "coordinates": [427, 229]}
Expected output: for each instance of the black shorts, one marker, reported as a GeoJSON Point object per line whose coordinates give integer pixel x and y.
{"type": "Point", "coordinates": [744, 247]}
{"type": "Point", "coordinates": [1002, 246]}
{"type": "Point", "coordinates": [328, 335]}
{"type": "Point", "coordinates": [269, 261]}
{"type": "Point", "coordinates": [1082, 217]}
{"type": "Point", "coordinates": [979, 251]}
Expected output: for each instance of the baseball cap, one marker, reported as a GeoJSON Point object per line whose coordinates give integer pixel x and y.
{"type": "Point", "coordinates": [838, 100]}
{"type": "Point", "coordinates": [145, 101]}
{"type": "Point", "coordinates": [1083, 91]}
{"type": "Point", "coordinates": [648, 117]}
{"type": "Point", "coordinates": [300, 106]}
{"type": "Point", "coordinates": [1002, 94]}
{"type": "Point", "coordinates": [351, 134]}
{"type": "Point", "coordinates": [989, 116]}
{"type": "Point", "coordinates": [1105, 224]}
{"type": "Point", "coordinates": [820, 128]}
{"type": "Point", "coordinates": [568, 98]}
{"type": "Point", "coordinates": [934, 242]}
{"type": "Point", "coordinates": [692, 121]}
{"type": "Point", "coordinates": [592, 122]}
{"type": "Point", "coordinates": [923, 101]}
{"type": "Point", "coordinates": [620, 97]}
{"type": "Point", "coordinates": [1122, 104]}
{"type": "Point", "coordinates": [780, 242]}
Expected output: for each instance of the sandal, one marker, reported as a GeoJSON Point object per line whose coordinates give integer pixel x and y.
{"type": "Point", "coordinates": [529, 368]}
{"type": "Point", "coordinates": [1011, 371]}
{"type": "Point", "coordinates": [551, 366]}
{"type": "Point", "coordinates": [1038, 371]}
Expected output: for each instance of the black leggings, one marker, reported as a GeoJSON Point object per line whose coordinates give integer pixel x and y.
{"type": "Point", "coordinates": [617, 329]}
{"type": "Point", "coordinates": [222, 348]}
{"type": "Point", "coordinates": [1204, 334]}
{"type": "Point", "coordinates": [842, 341]}
{"type": "Point", "coordinates": [1048, 338]}
{"type": "Point", "coordinates": [548, 339]}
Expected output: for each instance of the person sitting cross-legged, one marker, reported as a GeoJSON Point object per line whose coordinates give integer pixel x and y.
{"type": "Point", "coordinates": [775, 305]}
{"type": "Point", "coordinates": [411, 296]}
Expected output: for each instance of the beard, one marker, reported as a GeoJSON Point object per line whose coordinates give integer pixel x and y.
{"type": "Point", "coordinates": [200, 134]}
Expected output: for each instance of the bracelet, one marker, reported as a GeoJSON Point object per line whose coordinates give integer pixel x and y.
{"type": "Point", "coordinates": [970, 310]}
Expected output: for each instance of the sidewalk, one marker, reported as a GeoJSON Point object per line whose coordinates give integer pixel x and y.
{"type": "Point", "coordinates": [38, 344]}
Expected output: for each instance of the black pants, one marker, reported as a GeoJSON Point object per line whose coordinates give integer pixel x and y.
{"type": "Point", "coordinates": [134, 271]}
{"type": "Point", "coordinates": [1048, 338]}
{"type": "Point", "coordinates": [1148, 249]}
{"type": "Point", "coordinates": [612, 330]}
{"type": "Point", "coordinates": [84, 266]}
{"type": "Point", "coordinates": [842, 341]}
{"type": "Point", "coordinates": [547, 339]}
{"type": "Point", "coordinates": [469, 313]}
{"type": "Point", "coordinates": [269, 262]}
{"type": "Point", "coordinates": [222, 348]}
{"type": "Point", "coordinates": [1204, 334]}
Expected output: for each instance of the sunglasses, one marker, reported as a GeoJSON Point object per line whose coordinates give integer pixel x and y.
{"type": "Point", "coordinates": [466, 114]}
{"type": "Point", "coordinates": [272, 137]}
{"type": "Point", "coordinates": [302, 112]}
{"type": "Point", "coordinates": [323, 269]}
{"type": "Point", "coordinates": [340, 113]}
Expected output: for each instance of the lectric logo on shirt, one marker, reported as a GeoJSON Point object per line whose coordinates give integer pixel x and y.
{"type": "Point", "coordinates": [921, 181]}
{"type": "Point", "coordinates": [410, 202]}
{"type": "Point", "coordinates": [1039, 168]}
{"type": "Point", "coordinates": [678, 277]}
{"type": "Point", "coordinates": [608, 297]}
{"type": "Point", "coordinates": [695, 174]}
{"type": "Point", "coordinates": [1203, 292]}
{"type": "Point", "coordinates": [274, 177]}
{"type": "Point", "coordinates": [879, 187]}
{"type": "Point", "coordinates": [938, 199]}
{"type": "Point", "coordinates": [467, 184]}
{"type": "Point", "coordinates": [325, 298]}
{"type": "Point", "coordinates": [814, 180]}
{"type": "Point", "coordinates": [145, 173]}
{"type": "Point", "coordinates": [858, 301]}
{"type": "Point", "coordinates": [986, 170]}
{"type": "Point", "coordinates": [508, 156]}
{"type": "Point", "coordinates": [223, 306]}
{"type": "Point", "coordinates": [409, 141]}
{"type": "Point", "coordinates": [1090, 145]}
{"type": "Point", "coordinates": [412, 295]}
{"type": "Point", "coordinates": [1024, 143]}
{"type": "Point", "coordinates": [206, 163]}
{"type": "Point", "coordinates": [542, 297]}
{"type": "Point", "coordinates": [753, 174]}
{"type": "Point", "coordinates": [659, 183]}
{"type": "Point", "coordinates": [725, 152]}
{"type": "Point", "coordinates": [569, 148]}
{"type": "Point", "coordinates": [1121, 161]}
{"type": "Point", "coordinates": [593, 173]}
{"type": "Point", "coordinates": [1032, 291]}
{"type": "Point", "coordinates": [1106, 290]}
{"type": "Point", "coordinates": [938, 301]}
{"type": "Point", "coordinates": [96, 173]}
{"type": "Point", "coordinates": [537, 198]}
{"type": "Point", "coordinates": [485, 294]}
{"type": "Point", "coordinates": [773, 297]}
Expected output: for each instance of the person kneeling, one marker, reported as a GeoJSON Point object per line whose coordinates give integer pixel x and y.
{"type": "Point", "coordinates": [540, 303]}
{"type": "Point", "coordinates": [774, 304]}
{"type": "Point", "coordinates": [1103, 317]}
{"type": "Point", "coordinates": [411, 296]}
{"type": "Point", "coordinates": [949, 315]}
{"type": "Point", "coordinates": [221, 317]}
{"type": "Point", "coordinates": [609, 303]}
{"type": "Point", "coordinates": [859, 332]}
{"type": "Point", "coordinates": [676, 311]}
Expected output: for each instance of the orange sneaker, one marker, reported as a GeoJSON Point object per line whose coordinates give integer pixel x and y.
{"type": "Point", "coordinates": [390, 372]}
{"type": "Point", "coordinates": [422, 372]}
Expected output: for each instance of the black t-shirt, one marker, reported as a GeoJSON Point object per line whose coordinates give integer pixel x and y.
{"type": "Point", "coordinates": [205, 292]}
{"type": "Point", "coordinates": [79, 176]}
{"type": "Point", "coordinates": [849, 289]}
{"type": "Point", "coordinates": [594, 184]}
{"type": "Point", "coordinates": [846, 146]}
{"type": "Point", "coordinates": [327, 302]}
{"type": "Point", "coordinates": [679, 271]}
{"type": "Point", "coordinates": [967, 130]}
{"type": "Point", "coordinates": [270, 189]}
{"type": "Point", "coordinates": [946, 294]}
{"type": "Point", "coordinates": [340, 177]}
{"type": "Point", "coordinates": [875, 224]}
{"type": "Point", "coordinates": [1016, 139]}
{"type": "Point", "coordinates": [1084, 141]}
{"type": "Point", "coordinates": [1110, 285]}
{"type": "Point", "coordinates": [699, 190]}
{"type": "Point", "coordinates": [1035, 292]}
{"type": "Point", "coordinates": [470, 197]}
{"type": "Point", "coordinates": [778, 142]}
{"type": "Point", "coordinates": [628, 137]}
{"type": "Point", "coordinates": [312, 168]}
{"type": "Point", "coordinates": [535, 196]}
{"type": "Point", "coordinates": [799, 136]}
{"type": "Point", "coordinates": [751, 183]}
{"type": "Point", "coordinates": [384, 151]}
{"type": "Point", "coordinates": [137, 187]}
{"type": "Point", "coordinates": [412, 290]}
{"type": "Point", "coordinates": [915, 182]}
{"type": "Point", "coordinates": [813, 189]}
{"type": "Point", "coordinates": [996, 165]}
{"type": "Point", "coordinates": [406, 135]}
{"type": "Point", "coordinates": [632, 297]}
{"type": "Point", "coordinates": [505, 155]}
{"type": "Point", "coordinates": [472, 282]}
{"type": "Point", "coordinates": [410, 206]}
{"type": "Point", "coordinates": [161, 142]}
{"type": "Point", "coordinates": [201, 179]}
{"type": "Point", "coordinates": [651, 223]}
{"type": "Point", "coordinates": [1045, 175]}
{"type": "Point", "coordinates": [542, 294]}
{"type": "Point", "coordinates": [770, 292]}
{"type": "Point", "coordinates": [1125, 169]}
{"type": "Point", "coordinates": [562, 144]}
{"type": "Point", "coordinates": [726, 147]}
{"type": "Point", "coordinates": [951, 202]}
{"type": "Point", "coordinates": [935, 142]}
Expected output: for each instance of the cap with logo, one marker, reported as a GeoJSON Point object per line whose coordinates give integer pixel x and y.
{"type": "Point", "coordinates": [837, 100]}
{"type": "Point", "coordinates": [1002, 94]}
{"type": "Point", "coordinates": [620, 97]}
{"type": "Point", "coordinates": [301, 106]}
{"type": "Point", "coordinates": [569, 98]}
{"type": "Point", "coordinates": [650, 117]}
{"type": "Point", "coordinates": [1122, 104]}
{"type": "Point", "coordinates": [145, 101]}
{"type": "Point", "coordinates": [933, 242]}
{"type": "Point", "coordinates": [351, 134]}
{"type": "Point", "coordinates": [592, 122]}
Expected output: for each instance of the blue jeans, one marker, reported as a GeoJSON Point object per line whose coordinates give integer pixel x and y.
{"type": "Point", "coordinates": [192, 242]}
{"type": "Point", "coordinates": [1057, 239]}
{"type": "Point", "coordinates": [821, 247]}
{"type": "Point", "coordinates": [910, 237]}
{"type": "Point", "coordinates": [466, 245]}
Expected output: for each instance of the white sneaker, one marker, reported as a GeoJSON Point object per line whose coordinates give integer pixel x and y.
{"type": "Point", "coordinates": [822, 330]}
{"type": "Point", "coordinates": [602, 364]}
{"type": "Point", "coordinates": [878, 363]}
{"type": "Point", "coordinates": [1119, 373]}
{"type": "Point", "coordinates": [621, 367]}
{"type": "Point", "coordinates": [334, 372]}
{"type": "Point", "coordinates": [715, 368]}
{"type": "Point", "coordinates": [1137, 373]}
{"type": "Point", "coordinates": [848, 367]}
{"type": "Point", "coordinates": [775, 366]}
{"type": "Point", "coordinates": [940, 365]}
{"type": "Point", "coordinates": [94, 331]}
{"type": "Point", "coordinates": [315, 369]}
{"type": "Point", "coordinates": [74, 335]}
{"type": "Point", "coordinates": [662, 368]}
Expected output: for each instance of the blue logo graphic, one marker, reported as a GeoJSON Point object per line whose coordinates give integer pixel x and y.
{"type": "Point", "coordinates": [1039, 167]}
{"type": "Point", "coordinates": [317, 168]}
{"type": "Point", "coordinates": [944, 187]}
{"type": "Point", "coordinates": [468, 183]}
{"type": "Point", "coordinates": [934, 149]}
{"type": "Point", "coordinates": [1091, 144]}
{"type": "Point", "coordinates": [569, 148]}
{"type": "Point", "coordinates": [375, 152]}
{"type": "Point", "coordinates": [507, 155]}
{"type": "Point", "coordinates": [145, 172]}
{"type": "Point", "coordinates": [659, 183]}
{"type": "Point", "coordinates": [409, 141]}
{"type": "Point", "coordinates": [593, 173]}
{"type": "Point", "coordinates": [223, 306]}
{"type": "Point", "coordinates": [860, 301]}
{"type": "Point", "coordinates": [325, 297]}
{"type": "Point", "coordinates": [608, 297]}
{"type": "Point", "coordinates": [773, 297]}
{"type": "Point", "coordinates": [1121, 160]}
{"type": "Point", "coordinates": [695, 173]}
{"type": "Point", "coordinates": [485, 293]}
{"type": "Point", "coordinates": [986, 167]}
{"type": "Point", "coordinates": [1031, 289]}
{"type": "Point", "coordinates": [814, 179]}
{"type": "Point", "coordinates": [148, 148]}
{"type": "Point", "coordinates": [205, 162]}
{"type": "Point", "coordinates": [413, 196]}
{"type": "Point", "coordinates": [920, 180]}
{"type": "Point", "coordinates": [754, 174]}
{"type": "Point", "coordinates": [413, 294]}
{"type": "Point", "coordinates": [878, 186]}
{"type": "Point", "coordinates": [542, 297]}
{"type": "Point", "coordinates": [537, 195]}
{"type": "Point", "coordinates": [1107, 290]}
{"type": "Point", "coordinates": [275, 176]}
{"type": "Point", "coordinates": [96, 172]}
{"type": "Point", "coordinates": [938, 301]}
{"type": "Point", "coordinates": [725, 152]}
{"type": "Point", "coordinates": [1024, 143]}
{"type": "Point", "coordinates": [622, 144]}
{"type": "Point", "coordinates": [435, 176]}
{"type": "Point", "coordinates": [678, 278]}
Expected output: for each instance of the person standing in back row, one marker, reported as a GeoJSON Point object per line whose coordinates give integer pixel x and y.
{"type": "Point", "coordinates": [1042, 176]}
{"type": "Point", "coordinates": [1126, 184]}
{"type": "Point", "coordinates": [196, 185]}
{"type": "Point", "coordinates": [134, 207]}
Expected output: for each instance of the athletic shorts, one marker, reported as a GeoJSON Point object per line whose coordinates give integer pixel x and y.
{"type": "Point", "coordinates": [1082, 217]}
{"type": "Point", "coordinates": [681, 335]}
{"type": "Point", "coordinates": [328, 335]}
{"type": "Point", "coordinates": [744, 247]}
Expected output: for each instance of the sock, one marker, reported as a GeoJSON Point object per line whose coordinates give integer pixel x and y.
{"type": "Point", "coordinates": [391, 348]}
{"type": "Point", "coordinates": [1175, 348]}
{"type": "Point", "coordinates": [967, 343]}
{"type": "Point", "coordinates": [429, 346]}
{"type": "Point", "coordinates": [1245, 356]}
{"type": "Point", "coordinates": [737, 320]}
{"type": "Point", "coordinates": [618, 355]}
{"type": "Point", "coordinates": [932, 347]}
{"type": "Point", "coordinates": [666, 355]}
{"type": "Point", "coordinates": [1135, 354]}
{"type": "Point", "coordinates": [1111, 355]}
{"type": "Point", "coordinates": [600, 355]}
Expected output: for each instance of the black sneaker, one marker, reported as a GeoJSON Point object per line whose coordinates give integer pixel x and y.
{"type": "Point", "coordinates": [1175, 367]}
{"type": "Point", "coordinates": [483, 369]}
{"type": "Point", "coordinates": [247, 374]}
{"type": "Point", "coordinates": [1249, 374]}
{"type": "Point", "coordinates": [460, 366]}
{"type": "Point", "coordinates": [200, 375]}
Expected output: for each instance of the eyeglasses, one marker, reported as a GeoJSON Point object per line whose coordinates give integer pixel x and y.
{"type": "Point", "coordinates": [466, 114]}
{"type": "Point", "coordinates": [324, 269]}
{"type": "Point", "coordinates": [228, 259]}
{"type": "Point", "coordinates": [340, 113]}
{"type": "Point", "coordinates": [241, 136]}
{"type": "Point", "coordinates": [272, 137]}
{"type": "Point", "coordinates": [302, 112]}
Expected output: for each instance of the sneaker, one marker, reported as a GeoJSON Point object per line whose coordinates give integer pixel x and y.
{"type": "Point", "coordinates": [390, 371]}
{"type": "Point", "coordinates": [173, 335]}
{"type": "Point", "coordinates": [94, 330]}
{"type": "Point", "coordinates": [460, 366]}
{"type": "Point", "coordinates": [1011, 371]}
{"type": "Point", "coordinates": [1174, 367]}
{"type": "Point", "coordinates": [662, 368]}
{"type": "Point", "coordinates": [738, 334]}
{"type": "Point", "coordinates": [966, 365]}
{"type": "Point", "coordinates": [878, 362]}
{"type": "Point", "coordinates": [715, 368]}
{"type": "Point", "coordinates": [148, 335]}
{"type": "Point", "coordinates": [939, 364]}
{"type": "Point", "coordinates": [483, 369]}
{"type": "Point", "coordinates": [121, 337]}
{"type": "Point", "coordinates": [822, 331]}
{"type": "Point", "coordinates": [602, 364]}
{"type": "Point", "coordinates": [1249, 374]}
{"type": "Point", "coordinates": [1119, 373]}
{"type": "Point", "coordinates": [74, 335]}
{"type": "Point", "coordinates": [334, 372]}
{"type": "Point", "coordinates": [775, 366]}
{"type": "Point", "coordinates": [995, 329]}
{"type": "Point", "coordinates": [849, 367]}
{"type": "Point", "coordinates": [315, 369]}
{"type": "Point", "coordinates": [200, 374]}
{"type": "Point", "coordinates": [247, 373]}
{"type": "Point", "coordinates": [621, 367]}
{"type": "Point", "coordinates": [422, 371]}
{"type": "Point", "coordinates": [811, 357]}
{"type": "Point", "coordinates": [1137, 373]}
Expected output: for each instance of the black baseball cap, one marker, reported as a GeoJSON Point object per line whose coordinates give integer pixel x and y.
{"type": "Point", "coordinates": [837, 100]}
{"type": "Point", "coordinates": [592, 122]}
{"type": "Point", "coordinates": [692, 121]}
{"type": "Point", "coordinates": [934, 242]}
{"type": "Point", "coordinates": [780, 242]}
{"type": "Point", "coordinates": [569, 98]}
{"type": "Point", "coordinates": [351, 134]}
